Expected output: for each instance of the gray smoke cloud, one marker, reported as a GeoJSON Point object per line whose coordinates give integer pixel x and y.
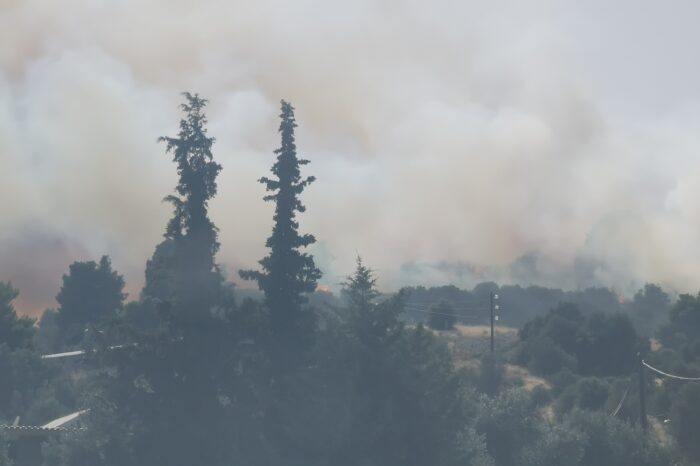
{"type": "Point", "coordinates": [539, 142]}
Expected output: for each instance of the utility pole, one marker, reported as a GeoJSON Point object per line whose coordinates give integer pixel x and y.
{"type": "Point", "coordinates": [492, 296]}
{"type": "Point", "coordinates": [642, 395]}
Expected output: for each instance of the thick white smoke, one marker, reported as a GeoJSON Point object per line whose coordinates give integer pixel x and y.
{"type": "Point", "coordinates": [449, 139]}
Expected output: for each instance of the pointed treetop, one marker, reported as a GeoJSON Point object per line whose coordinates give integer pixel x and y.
{"type": "Point", "coordinates": [360, 287]}
{"type": "Point", "coordinates": [287, 273]}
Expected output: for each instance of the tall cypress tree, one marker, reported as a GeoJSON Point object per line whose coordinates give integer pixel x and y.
{"type": "Point", "coordinates": [168, 399]}
{"type": "Point", "coordinates": [182, 270]}
{"type": "Point", "coordinates": [287, 273]}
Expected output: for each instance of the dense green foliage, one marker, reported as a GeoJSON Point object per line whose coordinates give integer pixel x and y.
{"type": "Point", "coordinates": [405, 400]}
{"type": "Point", "coordinates": [647, 310]}
{"type": "Point", "coordinates": [682, 332]}
{"type": "Point", "coordinates": [596, 344]}
{"type": "Point", "coordinates": [90, 293]}
{"type": "Point", "coordinates": [516, 434]}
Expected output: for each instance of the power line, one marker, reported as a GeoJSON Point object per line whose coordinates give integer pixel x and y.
{"type": "Point", "coordinates": [458, 316]}
{"type": "Point", "coordinates": [671, 376]}
{"type": "Point", "coordinates": [429, 311]}
{"type": "Point", "coordinates": [492, 309]}
{"type": "Point", "coordinates": [460, 305]}
{"type": "Point", "coordinates": [429, 306]}
{"type": "Point", "coordinates": [624, 395]}
{"type": "Point", "coordinates": [82, 352]}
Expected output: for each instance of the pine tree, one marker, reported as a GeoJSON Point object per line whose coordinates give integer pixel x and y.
{"type": "Point", "coordinates": [372, 323]}
{"type": "Point", "coordinates": [182, 270]}
{"type": "Point", "coordinates": [287, 273]}
{"type": "Point", "coordinates": [405, 398]}
{"type": "Point", "coordinates": [361, 287]}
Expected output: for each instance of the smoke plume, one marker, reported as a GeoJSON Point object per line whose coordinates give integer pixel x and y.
{"type": "Point", "coordinates": [539, 142]}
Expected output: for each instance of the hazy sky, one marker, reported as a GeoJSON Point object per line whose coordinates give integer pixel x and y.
{"type": "Point", "coordinates": [450, 139]}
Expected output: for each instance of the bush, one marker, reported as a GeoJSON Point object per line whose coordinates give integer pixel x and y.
{"type": "Point", "coordinates": [589, 393]}
{"type": "Point", "coordinates": [613, 442]}
{"type": "Point", "coordinates": [596, 345]}
{"type": "Point", "coordinates": [547, 358]}
{"type": "Point", "coordinates": [490, 375]}
{"type": "Point", "coordinates": [509, 423]}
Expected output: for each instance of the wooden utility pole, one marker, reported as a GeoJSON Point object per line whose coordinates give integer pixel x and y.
{"type": "Point", "coordinates": [491, 296]}
{"type": "Point", "coordinates": [642, 395]}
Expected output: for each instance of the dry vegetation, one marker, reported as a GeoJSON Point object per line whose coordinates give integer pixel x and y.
{"type": "Point", "coordinates": [468, 343]}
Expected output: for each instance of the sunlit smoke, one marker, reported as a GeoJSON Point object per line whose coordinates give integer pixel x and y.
{"type": "Point", "coordinates": [452, 141]}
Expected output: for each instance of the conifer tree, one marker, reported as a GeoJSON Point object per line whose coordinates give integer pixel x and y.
{"type": "Point", "coordinates": [182, 270]}
{"type": "Point", "coordinates": [405, 399]}
{"type": "Point", "coordinates": [373, 324]}
{"type": "Point", "coordinates": [360, 288]}
{"type": "Point", "coordinates": [287, 273]}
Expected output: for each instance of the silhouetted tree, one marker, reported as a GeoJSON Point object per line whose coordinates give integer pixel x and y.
{"type": "Point", "coordinates": [360, 290]}
{"type": "Point", "coordinates": [649, 308]}
{"type": "Point", "coordinates": [90, 293]}
{"type": "Point", "coordinates": [15, 332]}
{"type": "Point", "coordinates": [405, 400]}
{"type": "Point", "coordinates": [21, 371]}
{"type": "Point", "coordinates": [182, 270]}
{"type": "Point", "coordinates": [373, 324]}
{"type": "Point", "coordinates": [287, 274]}
{"type": "Point", "coordinates": [682, 332]}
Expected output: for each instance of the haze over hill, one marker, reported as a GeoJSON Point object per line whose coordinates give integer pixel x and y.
{"type": "Point", "coordinates": [554, 143]}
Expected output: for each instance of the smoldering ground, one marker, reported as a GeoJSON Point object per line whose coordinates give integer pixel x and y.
{"type": "Point", "coordinates": [440, 133]}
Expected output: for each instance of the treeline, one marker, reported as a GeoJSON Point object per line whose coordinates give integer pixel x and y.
{"type": "Point", "coordinates": [648, 308]}
{"type": "Point", "coordinates": [189, 375]}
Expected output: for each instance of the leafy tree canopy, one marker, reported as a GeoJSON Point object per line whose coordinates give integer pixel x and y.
{"type": "Point", "coordinates": [683, 330]}
{"type": "Point", "coordinates": [649, 308]}
{"type": "Point", "coordinates": [596, 344]}
{"type": "Point", "coordinates": [90, 292]}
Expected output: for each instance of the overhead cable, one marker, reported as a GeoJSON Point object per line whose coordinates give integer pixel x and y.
{"type": "Point", "coordinates": [624, 395]}
{"type": "Point", "coordinates": [671, 376]}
